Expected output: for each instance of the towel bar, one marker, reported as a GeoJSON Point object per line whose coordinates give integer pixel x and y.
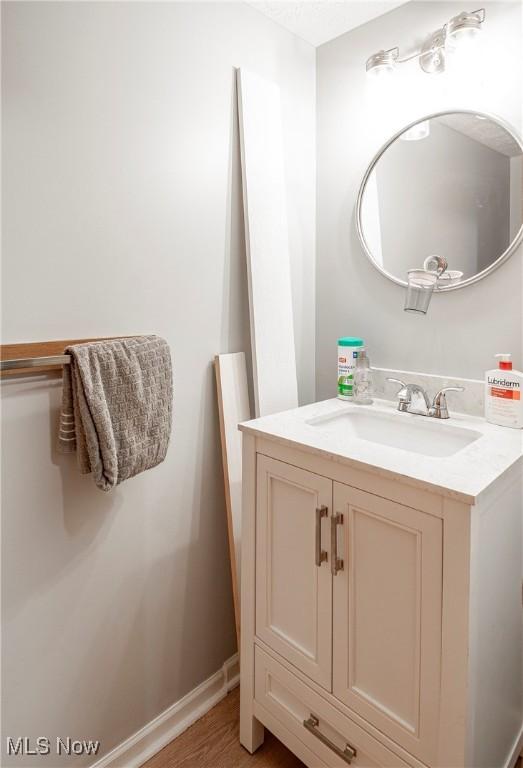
{"type": "Point", "coordinates": [39, 357]}
{"type": "Point", "coordinates": [34, 362]}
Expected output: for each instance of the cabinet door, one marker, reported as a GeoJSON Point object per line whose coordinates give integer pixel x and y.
{"type": "Point", "coordinates": [387, 617]}
{"type": "Point", "coordinates": [293, 585]}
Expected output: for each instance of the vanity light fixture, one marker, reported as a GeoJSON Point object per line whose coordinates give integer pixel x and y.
{"type": "Point", "coordinates": [460, 30]}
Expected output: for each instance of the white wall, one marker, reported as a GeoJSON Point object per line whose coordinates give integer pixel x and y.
{"type": "Point", "coordinates": [463, 328]}
{"type": "Point", "coordinates": [122, 214]}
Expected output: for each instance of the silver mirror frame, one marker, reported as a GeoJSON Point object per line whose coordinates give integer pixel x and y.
{"type": "Point", "coordinates": [480, 275]}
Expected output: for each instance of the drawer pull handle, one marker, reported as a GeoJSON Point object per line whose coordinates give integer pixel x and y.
{"type": "Point", "coordinates": [336, 562]}
{"type": "Point", "coordinates": [320, 554]}
{"type": "Point", "coordinates": [348, 754]}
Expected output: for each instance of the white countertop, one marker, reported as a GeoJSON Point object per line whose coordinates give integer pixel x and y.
{"type": "Point", "coordinates": [464, 475]}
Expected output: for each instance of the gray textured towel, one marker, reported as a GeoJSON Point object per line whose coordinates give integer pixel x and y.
{"type": "Point", "coordinates": [117, 407]}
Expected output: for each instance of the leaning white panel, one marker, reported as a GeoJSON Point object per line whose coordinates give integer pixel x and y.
{"type": "Point", "coordinates": [267, 244]}
{"type": "Point", "coordinates": [233, 406]}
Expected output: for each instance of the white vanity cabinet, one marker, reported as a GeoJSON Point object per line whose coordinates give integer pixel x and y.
{"type": "Point", "coordinates": [359, 617]}
{"type": "Point", "coordinates": [348, 590]}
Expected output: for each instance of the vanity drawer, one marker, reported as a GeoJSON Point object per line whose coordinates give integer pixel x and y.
{"type": "Point", "coordinates": [328, 733]}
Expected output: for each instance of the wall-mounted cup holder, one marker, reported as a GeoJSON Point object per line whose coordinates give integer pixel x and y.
{"type": "Point", "coordinates": [420, 288]}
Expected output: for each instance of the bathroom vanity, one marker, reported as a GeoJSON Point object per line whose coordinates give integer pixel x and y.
{"type": "Point", "coordinates": [381, 587]}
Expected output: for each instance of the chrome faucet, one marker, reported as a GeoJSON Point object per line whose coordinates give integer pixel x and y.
{"type": "Point", "coordinates": [413, 399]}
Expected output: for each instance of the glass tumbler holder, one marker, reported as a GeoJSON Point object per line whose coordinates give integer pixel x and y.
{"type": "Point", "coordinates": [420, 287]}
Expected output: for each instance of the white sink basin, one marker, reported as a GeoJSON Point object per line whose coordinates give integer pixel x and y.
{"type": "Point", "coordinates": [416, 434]}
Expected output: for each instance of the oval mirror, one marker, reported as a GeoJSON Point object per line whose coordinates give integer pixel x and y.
{"type": "Point", "coordinates": [451, 185]}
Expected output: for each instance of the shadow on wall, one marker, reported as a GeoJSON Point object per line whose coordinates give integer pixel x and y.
{"type": "Point", "coordinates": [136, 660]}
{"type": "Point", "coordinates": [86, 509]}
{"type": "Point", "coordinates": [140, 658]}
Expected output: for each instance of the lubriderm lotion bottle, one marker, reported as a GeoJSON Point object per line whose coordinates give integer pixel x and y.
{"type": "Point", "coordinates": [503, 399]}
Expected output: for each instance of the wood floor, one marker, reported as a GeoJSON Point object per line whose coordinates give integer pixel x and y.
{"type": "Point", "coordinates": [213, 742]}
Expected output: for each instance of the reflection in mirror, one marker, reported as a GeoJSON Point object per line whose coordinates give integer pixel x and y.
{"type": "Point", "coordinates": [450, 185]}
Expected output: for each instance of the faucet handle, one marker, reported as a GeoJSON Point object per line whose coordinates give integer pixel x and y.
{"type": "Point", "coordinates": [439, 408]}
{"type": "Point", "coordinates": [397, 381]}
{"type": "Point", "coordinates": [442, 391]}
{"type": "Point", "coordinates": [402, 393]}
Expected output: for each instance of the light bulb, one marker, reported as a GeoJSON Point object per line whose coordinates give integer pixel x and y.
{"type": "Point", "coordinates": [380, 72]}
{"type": "Point", "coordinates": [462, 38]}
{"type": "Point", "coordinates": [382, 64]}
{"type": "Point", "coordinates": [463, 30]}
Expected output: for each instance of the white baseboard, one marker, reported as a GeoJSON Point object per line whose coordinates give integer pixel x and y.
{"type": "Point", "coordinates": [150, 739]}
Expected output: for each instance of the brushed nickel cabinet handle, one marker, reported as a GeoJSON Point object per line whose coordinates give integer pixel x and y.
{"type": "Point", "coordinates": [348, 754]}
{"type": "Point", "coordinates": [320, 554]}
{"type": "Point", "coordinates": [336, 562]}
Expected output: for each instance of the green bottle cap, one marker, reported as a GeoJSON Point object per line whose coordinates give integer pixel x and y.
{"type": "Point", "coordinates": [350, 341]}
